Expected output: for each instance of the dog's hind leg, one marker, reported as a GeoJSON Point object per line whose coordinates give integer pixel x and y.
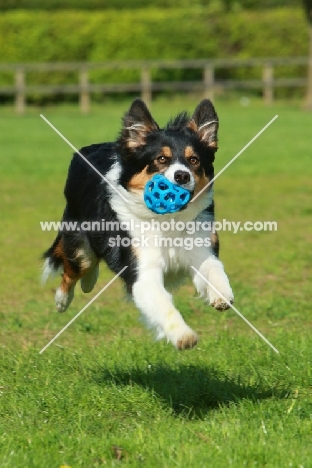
{"type": "Point", "coordinates": [65, 292]}
{"type": "Point", "coordinates": [88, 281]}
{"type": "Point", "coordinates": [73, 252]}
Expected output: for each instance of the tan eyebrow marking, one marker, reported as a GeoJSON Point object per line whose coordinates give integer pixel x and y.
{"type": "Point", "coordinates": [188, 152]}
{"type": "Point", "coordinates": [166, 151]}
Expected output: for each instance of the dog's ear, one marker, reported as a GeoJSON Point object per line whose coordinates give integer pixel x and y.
{"type": "Point", "coordinates": [137, 123]}
{"type": "Point", "coordinates": [205, 123]}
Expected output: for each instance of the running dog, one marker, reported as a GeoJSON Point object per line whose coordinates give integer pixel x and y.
{"type": "Point", "coordinates": [183, 152]}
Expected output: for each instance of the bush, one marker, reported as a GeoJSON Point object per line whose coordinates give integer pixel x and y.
{"type": "Point", "coordinates": [38, 36]}
{"type": "Point", "coordinates": [226, 5]}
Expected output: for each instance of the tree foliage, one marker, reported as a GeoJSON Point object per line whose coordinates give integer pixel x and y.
{"type": "Point", "coordinates": [77, 36]}
{"type": "Point", "coordinates": [215, 5]}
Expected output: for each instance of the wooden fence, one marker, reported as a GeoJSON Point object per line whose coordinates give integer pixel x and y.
{"type": "Point", "coordinates": [146, 86]}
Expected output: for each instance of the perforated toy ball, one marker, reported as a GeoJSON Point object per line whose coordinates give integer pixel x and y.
{"type": "Point", "coordinates": [162, 196]}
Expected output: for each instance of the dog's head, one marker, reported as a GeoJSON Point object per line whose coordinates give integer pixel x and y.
{"type": "Point", "coordinates": [183, 151]}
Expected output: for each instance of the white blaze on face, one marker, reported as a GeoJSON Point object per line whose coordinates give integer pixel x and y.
{"type": "Point", "coordinates": [170, 174]}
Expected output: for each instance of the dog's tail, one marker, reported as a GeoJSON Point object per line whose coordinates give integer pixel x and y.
{"type": "Point", "coordinates": [53, 264]}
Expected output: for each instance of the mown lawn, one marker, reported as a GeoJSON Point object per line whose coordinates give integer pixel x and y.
{"type": "Point", "coordinates": [106, 394]}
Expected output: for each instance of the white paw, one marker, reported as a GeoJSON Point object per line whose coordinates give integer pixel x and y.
{"type": "Point", "coordinates": [88, 281]}
{"type": "Point", "coordinates": [187, 341]}
{"type": "Point", "coordinates": [182, 337]}
{"type": "Point", "coordinates": [222, 299]}
{"type": "Point", "coordinates": [62, 300]}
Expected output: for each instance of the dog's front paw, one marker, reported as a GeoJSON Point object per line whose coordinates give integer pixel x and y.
{"type": "Point", "coordinates": [63, 299]}
{"type": "Point", "coordinates": [187, 341]}
{"type": "Point", "coordinates": [183, 337]}
{"type": "Point", "coordinates": [221, 302]}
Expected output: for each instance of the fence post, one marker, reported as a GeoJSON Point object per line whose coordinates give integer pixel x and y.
{"type": "Point", "coordinates": [146, 85]}
{"type": "Point", "coordinates": [208, 82]}
{"type": "Point", "coordinates": [84, 96]}
{"type": "Point", "coordinates": [267, 78]}
{"type": "Point", "coordinates": [308, 98]}
{"type": "Point", "coordinates": [20, 90]}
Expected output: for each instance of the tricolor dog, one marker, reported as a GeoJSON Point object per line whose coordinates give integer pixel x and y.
{"type": "Point", "coordinates": [130, 197]}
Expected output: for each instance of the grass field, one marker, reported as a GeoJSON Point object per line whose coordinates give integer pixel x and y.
{"type": "Point", "coordinates": [106, 394]}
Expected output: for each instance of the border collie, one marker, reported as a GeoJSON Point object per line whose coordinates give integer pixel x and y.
{"type": "Point", "coordinates": [183, 152]}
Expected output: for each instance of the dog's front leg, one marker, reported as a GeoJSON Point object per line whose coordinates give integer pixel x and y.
{"type": "Point", "coordinates": [211, 268]}
{"type": "Point", "coordinates": [159, 313]}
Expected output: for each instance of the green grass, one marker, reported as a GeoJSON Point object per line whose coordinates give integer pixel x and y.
{"type": "Point", "coordinates": [105, 390]}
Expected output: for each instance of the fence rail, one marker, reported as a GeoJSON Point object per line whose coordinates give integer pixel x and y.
{"type": "Point", "coordinates": [146, 86]}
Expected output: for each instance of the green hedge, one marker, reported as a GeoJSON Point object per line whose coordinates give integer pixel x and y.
{"type": "Point", "coordinates": [131, 4]}
{"type": "Point", "coordinates": [37, 36]}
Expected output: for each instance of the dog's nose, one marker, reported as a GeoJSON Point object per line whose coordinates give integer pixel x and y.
{"type": "Point", "coordinates": [182, 177]}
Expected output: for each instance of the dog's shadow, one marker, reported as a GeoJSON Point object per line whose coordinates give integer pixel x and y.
{"type": "Point", "coordinates": [189, 390]}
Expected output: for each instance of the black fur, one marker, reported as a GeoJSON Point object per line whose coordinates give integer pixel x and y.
{"type": "Point", "coordinates": [89, 198]}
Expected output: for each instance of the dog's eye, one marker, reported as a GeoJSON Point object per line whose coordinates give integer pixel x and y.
{"type": "Point", "coordinates": [162, 159]}
{"type": "Point", "coordinates": [194, 160]}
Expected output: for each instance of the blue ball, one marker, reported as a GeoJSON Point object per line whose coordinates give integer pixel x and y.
{"type": "Point", "coordinates": [162, 196]}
